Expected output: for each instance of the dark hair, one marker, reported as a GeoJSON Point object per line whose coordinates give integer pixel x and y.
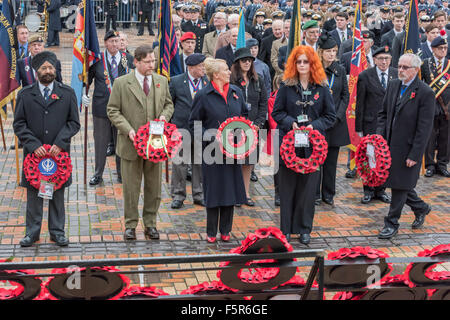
{"type": "Point", "coordinates": [430, 27]}
{"type": "Point", "coordinates": [343, 15]}
{"type": "Point", "coordinates": [142, 51]}
{"type": "Point", "coordinates": [236, 72]}
{"type": "Point", "coordinates": [439, 13]}
{"type": "Point", "coordinates": [399, 15]}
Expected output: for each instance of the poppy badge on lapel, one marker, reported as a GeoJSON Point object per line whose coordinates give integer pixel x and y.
{"type": "Point", "coordinates": [413, 94]}
{"type": "Point", "coordinates": [54, 97]}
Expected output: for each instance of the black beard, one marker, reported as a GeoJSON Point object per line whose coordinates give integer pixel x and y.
{"type": "Point", "coordinates": [47, 78]}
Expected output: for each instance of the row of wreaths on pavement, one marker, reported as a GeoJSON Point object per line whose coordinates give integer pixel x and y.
{"type": "Point", "coordinates": [158, 148]}
{"type": "Point", "coordinates": [110, 284]}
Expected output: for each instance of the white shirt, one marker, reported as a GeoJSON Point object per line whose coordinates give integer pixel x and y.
{"type": "Point", "coordinates": [342, 33]}
{"type": "Point", "coordinates": [42, 87]}
{"type": "Point", "coordinates": [140, 79]}
{"type": "Point", "coordinates": [116, 56]}
{"type": "Point", "coordinates": [385, 73]}
{"type": "Point", "coordinates": [184, 62]}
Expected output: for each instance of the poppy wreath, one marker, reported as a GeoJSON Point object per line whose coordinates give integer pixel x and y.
{"type": "Point", "coordinates": [170, 143]}
{"type": "Point", "coordinates": [247, 141]}
{"type": "Point", "coordinates": [137, 291]}
{"type": "Point", "coordinates": [7, 294]}
{"type": "Point", "coordinates": [377, 176]}
{"type": "Point", "coordinates": [61, 175]}
{"type": "Point", "coordinates": [260, 275]}
{"type": "Point", "coordinates": [304, 165]}
{"type": "Point", "coordinates": [208, 288]}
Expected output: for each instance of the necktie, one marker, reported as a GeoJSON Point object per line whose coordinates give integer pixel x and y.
{"type": "Point", "coordinates": [146, 87]}
{"type": "Point", "coordinates": [22, 51]}
{"type": "Point", "coordinates": [402, 90]}
{"type": "Point", "coordinates": [114, 68]}
{"type": "Point", "coordinates": [439, 66]}
{"type": "Point", "coordinates": [383, 80]}
{"type": "Point", "coordinates": [46, 93]}
{"type": "Point", "coordinates": [343, 36]}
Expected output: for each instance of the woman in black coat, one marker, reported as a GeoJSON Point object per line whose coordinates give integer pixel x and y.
{"type": "Point", "coordinates": [244, 76]}
{"type": "Point", "coordinates": [302, 100]}
{"type": "Point", "coordinates": [223, 186]}
{"type": "Point", "coordinates": [337, 136]}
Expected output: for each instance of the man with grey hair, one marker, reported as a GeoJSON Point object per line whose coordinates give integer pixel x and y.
{"type": "Point", "coordinates": [210, 40]}
{"type": "Point", "coordinates": [405, 121]}
{"type": "Point", "coordinates": [225, 38]}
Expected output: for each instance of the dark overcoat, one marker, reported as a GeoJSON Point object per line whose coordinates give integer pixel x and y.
{"type": "Point", "coordinates": [223, 184]}
{"type": "Point", "coordinates": [37, 122]}
{"type": "Point", "coordinates": [406, 130]}
{"type": "Point", "coordinates": [54, 18]}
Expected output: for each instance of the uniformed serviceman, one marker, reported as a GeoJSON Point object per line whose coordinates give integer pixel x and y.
{"type": "Point", "coordinates": [145, 10]}
{"type": "Point", "coordinates": [111, 8]}
{"type": "Point", "coordinates": [197, 26]}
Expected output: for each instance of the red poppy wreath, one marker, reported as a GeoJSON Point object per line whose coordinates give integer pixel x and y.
{"type": "Point", "coordinates": [304, 165]}
{"type": "Point", "coordinates": [247, 139]}
{"type": "Point", "coordinates": [157, 148]}
{"type": "Point", "coordinates": [376, 176]}
{"type": "Point", "coordinates": [56, 170]}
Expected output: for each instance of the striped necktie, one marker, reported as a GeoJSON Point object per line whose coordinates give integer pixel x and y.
{"type": "Point", "coordinates": [114, 68]}
{"type": "Point", "coordinates": [46, 93]}
{"type": "Point", "coordinates": [439, 66]}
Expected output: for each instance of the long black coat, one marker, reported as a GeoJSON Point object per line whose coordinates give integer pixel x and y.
{"type": "Point", "coordinates": [101, 92]}
{"type": "Point", "coordinates": [407, 131]}
{"type": "Point", "coordinates": [223, 184]}
{"type": "Point", "coordinates": [54, 18]}
{"type": "Point", "coordinates": [337, 135]}
{"type": "Point", "coordinates": [369, 99]}
{"type": "Point", "coordinates": [226, 53]}
{"type": "Point", "coordinates": [37, 122]}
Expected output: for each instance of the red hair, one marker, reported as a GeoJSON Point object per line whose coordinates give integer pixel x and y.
{"type": "Point", "coordinates": [317, 74]}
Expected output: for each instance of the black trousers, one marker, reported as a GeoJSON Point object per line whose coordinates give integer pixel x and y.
{"type": "Point", "coordinates": [276, 178]}
{"type": "Point", "coordinates": [111, 21]}
{"type": "Point", "coordinates": [439, 140]}
{"type": "Point", "coordinates": [327, 180]}
{"type": "Point", "coordinates": [297, 207]}
{"type": "Point", "coordinates": [223, 216]}
{"type": "Point", "coordinates": [34, 213]}
{"type": "Point", "coordinates": [103, 129]}
{"type": "Point", "coordinates": [146, 15]}
{"type": "Point", "coordinates": [398, 201]}
{"type": "Point", "coordinates": [53, 37]}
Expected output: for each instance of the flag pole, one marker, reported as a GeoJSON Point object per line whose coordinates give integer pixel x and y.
{"type": "Point", "coordinates": [86, 85]}
{"type": "Point", "coordinates": [16, 143]}
{"type": "Point", "coordinates": [3, 133]}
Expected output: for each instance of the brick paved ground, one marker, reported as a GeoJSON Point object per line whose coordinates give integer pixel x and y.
{"type": "Point", "coordinates": [95, 225]}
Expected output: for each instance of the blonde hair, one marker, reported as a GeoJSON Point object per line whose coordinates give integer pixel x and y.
{"type": "Point", "coordinates": [213, 66]}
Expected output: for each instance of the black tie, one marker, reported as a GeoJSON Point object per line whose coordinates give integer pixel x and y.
{"type": "Point", "coordinates": [383, 80]}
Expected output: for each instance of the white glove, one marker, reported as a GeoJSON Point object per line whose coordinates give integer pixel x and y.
{"type": "Point", "coordinates": [85, 101]}
{"type": "Point", "coordinates": [360, 134]}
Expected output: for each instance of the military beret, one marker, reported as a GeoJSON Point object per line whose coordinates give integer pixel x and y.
{"type": "Point", "coordinates": [267, 21]}
{"type": "Point", "coordinates": [195, 59]}
{"type": "Point", "coordinates": [42, 57]}
{"type": "Point", "coordinates": [35, 38]}
{"type": "Point", "coordinates": [260, 14]}
{"type": "Point", "coordinates": [310, 24]}
{"type": "Point", "coordinates": [188, 36]}
{"type": "Point", "coordinates": [251, 43]}
{"type": "Point", "coordinates": [110, 34]}
{"type": "Point", "coordinates": [380, 50]}
{"type": "Point", "coordinates": [367, 34]}
{"type": "Point", "coordinates": [438, 41]}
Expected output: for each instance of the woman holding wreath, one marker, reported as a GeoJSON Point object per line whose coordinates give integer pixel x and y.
{"type": "Point", "coordinates": [223, 186]}
{"type": "Point", "coordinates": [303, 99]}
{"type": "Point", "coordinates": [244, 76]}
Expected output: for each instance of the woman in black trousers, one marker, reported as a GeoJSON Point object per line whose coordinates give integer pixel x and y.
{"type": "Point", "coordinates": [302, 100]}
{"type": "Point", "coordinates": [244, 76]}
{"type": "Point", "coordinates": [223, 186]}
{"type": "Point", "coordinates": [337, 136]}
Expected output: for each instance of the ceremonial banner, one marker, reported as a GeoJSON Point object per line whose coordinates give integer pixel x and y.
{"type": "Point", "coordinates": [358, 64]}
{"type": "Point", "coordinates": [86, 50]}
{"type": "Point", "coordinates": [412, 39]}
{"type": "Point", "coordinates": [8, 55]}
{"type": "Point", "coordinates": [169, 61]}
{"type": "Point", "coordinates": [295, 32]}
{"type": "Point", "coordinates": [241, 33]}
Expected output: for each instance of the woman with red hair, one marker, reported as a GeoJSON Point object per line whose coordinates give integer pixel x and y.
{"type": "Point", "coordinates": [302, 100]}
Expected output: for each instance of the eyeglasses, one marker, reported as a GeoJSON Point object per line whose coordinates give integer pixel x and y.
{"type": "Point", "coordinates": [441, 48]}
{"type": "Point", "coordinates": [383, 58]}
{"type": "Point", "coordinates": [400, 67]}
{"type": "Point", "coordinates": [302, 62]}
{"type": "Point", "coordinates": [246, 60]}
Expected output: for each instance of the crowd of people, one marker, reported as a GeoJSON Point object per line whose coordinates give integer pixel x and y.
{"type": "Point", "coordinates": [402, 96]}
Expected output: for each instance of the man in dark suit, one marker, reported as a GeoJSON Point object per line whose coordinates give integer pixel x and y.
{"type": "Point", "coordinates": [111, 9]}
{"type": "Point", "coordinates": [371, 89]}
{"type": "Point", "coordinates": [399, 23]}
{"type": "Point", "coordinates": [46, 113]}
{"type": "Point", "coordinates": [197, 26]}
{"type": "Point", "coordinates": [368, 39]}
{"type": "Point", "coordinates": [54, 23]}
{"type": "Point", "coordinates": [386, 23]}
{"type": "Point", "coordinates": [342, 32]}
{"type": "Point", "coordinates": [112, 65]}
{"type": "Point", "coordinates": [227, 53]}
{"type": "Point", "coordinates": [406, 121]}
{"type": "Point", "coordinates": [145, 10]}
{"type": "Point", "coordinates": [183, 89]}
{"type": "Point", "coordinates": [22, 41]}
{"type": "Point", "coordinates": [431, 31]}
{"type": "Point", "coordinates": [436, 72]}
{"type": "Point", "coordinates": [188, 42]}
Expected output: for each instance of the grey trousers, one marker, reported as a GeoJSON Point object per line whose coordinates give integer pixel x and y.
{"type": "Point", "coordinates": [102, 137]}
{"type": "Point", "coordinates": [34, 213]}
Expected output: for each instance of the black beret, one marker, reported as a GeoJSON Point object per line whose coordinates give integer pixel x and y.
{"type": "Point", "coordinates": [111, 34]}
{"type": "Point", "coordinates": [326, 41]}
{"type": "Point", "coordinates": [39, 59]}
{"type": "Point", "coordinates": [438, 41]}
{"type": "Point", "coordinates": [251, 43]}
{"type": "Point", "coordinates": [195, 59]}
{"type": "Point", "coordinates": [380, 50]}
{"type": "Point", "coordinates": [367, 34]}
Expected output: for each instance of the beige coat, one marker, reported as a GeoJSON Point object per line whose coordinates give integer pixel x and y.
{"type": "Point", "coordinates": [277, 44]}
{"type": "Point", "coordinates": [209, 44]}
{"type": "Point", "coordinates": [224, 39]}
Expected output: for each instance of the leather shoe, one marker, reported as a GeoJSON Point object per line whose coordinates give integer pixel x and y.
{"type": "Point", "coordinates": [253, 177]}
{"type": "Point", "coordinates": [420, 219]}
{"type": "Point", "coordinates": [387, 233]}
{"type": "Point", "coordinates": [119, 179]}
{"type": "Point", "coordinates": [110, 151]}
{"type": "Point", "coordinates": [176, 204]}
{"type": "Point", "coordinates": [60, 240]}
{"type": "Point", "coordinates": [429, 173]}
{"type": "Point", "coordinates": [27, 241]}
{"type": "Point", "coordinates": [366, 199]}
{"type": "Point", "coordinates": [211, 239]}
{"type": "Point", "coordinates": [250, 202]}
{"type": "Point", "coordinates": [304, 238]}
{"type": "Point", "coordinates": [328, 201]}
{"type": "Point", "coordinates": [317, 202]}
{"type": "Point", "coordinates": [384, 198]}
{"type": "Point", "coordinates": [140, 34]}
{"type": "Point", "coordinates": [350, 174]}
{"type": "Point", "coordinates": [199, 202]}
{"type": "Point", "coordinates": [151, 233]}
{"type": "Point", "coordinates": [277, 202]}
{"type": "Point", "coordinates": [95, 181]}
{"type": "Point", "coordinates": [130, 234]}
{"type": "Point", "coordinates": [238, 205]}
{"type": "Point", "coordinates": [443, 172]}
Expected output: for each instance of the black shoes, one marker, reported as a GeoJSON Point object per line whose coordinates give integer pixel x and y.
{"type": "Point", "coordinates": [199, 202]}
{"type": "Point", "coordinates": [304, 238]}
{"type": "Point", "coordinates": [420, 219]}
{"type": "Point", "coordinates": [443, 172]}
{"type": "Point", "coordinates": [440, 171]}
{"type": "Point", "coordinates": [60, 240]}
{"type": "Point", "coordinates": [317, 202]}
{"type": "Point", "coordinates": [253, 177]}
{"type": "Point", "coordinates": [250, 202]}
{"type": "Point", "coordinates": [429, 173]}
{"type": "Point", "coordinates": [328, 201]}
{"type": "Point", "coordinates": [387, 233]}
{"type": "Point", "coordinates": [369, 197]}
{"type": "Point", "coordinates": [366, 199]}
{"type": "Point", "coordinates": [140, 33]}
{"type": "Point", "coordinates": [151, 233]}
{"type": "Point", "coordinates": [176, 204]}
{"type": "Point", "coordinates": [27, 241]}
{"type": "Point", "coordinates": [350, 174]}
{"type": "Point", "coordinates": [130, 234]}
{"type": "Point", "coordinates": [110, 151]}
{"type": "Point", "coordinates": [95, 181]}
{"type": "Point", "coordinates": [277, 202]}
{"type": "Point", "coordinates": [384, 198]}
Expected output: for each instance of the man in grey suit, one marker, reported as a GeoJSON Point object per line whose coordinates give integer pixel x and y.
{"type": "Point", "coordinates": [183, 89]}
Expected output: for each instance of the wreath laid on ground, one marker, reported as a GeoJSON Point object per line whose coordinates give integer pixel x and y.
{"type": "Point", "coordinates": [56, 170]}
{"type": "Point", "coordinates": [304, 165]}
{"type": "Point", "coordinates": [247, 139]}
{"type": "Point", "coordinates": [157, 148]}
{"type": "Point", "coordinates": [376, 174]}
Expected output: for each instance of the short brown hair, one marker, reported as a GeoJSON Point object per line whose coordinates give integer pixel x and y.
{"type": "Point", "coordinates": [439, 13]}
{"type": "Point", "coordinates": [342, 15]}
{"type": "Point", "coordinates": [21, 26]}
{"type": "Point", "coordinates": [399, 15]}
{"type": "Point", "coordinates": [430, 27]}
{"type": "Point", "coordinates": [142, 51]}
